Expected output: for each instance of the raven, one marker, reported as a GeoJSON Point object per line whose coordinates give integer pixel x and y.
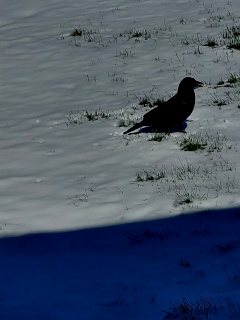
{"type": "Point", "coordinates": [175, 110]}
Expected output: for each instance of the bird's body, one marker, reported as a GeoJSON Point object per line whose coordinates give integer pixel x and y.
{"type": "Point", "coordinates": [175, 110]}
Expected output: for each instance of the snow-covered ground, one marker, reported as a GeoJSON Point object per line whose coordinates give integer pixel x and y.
{"type": "Point", "coordinates": [83, 234]}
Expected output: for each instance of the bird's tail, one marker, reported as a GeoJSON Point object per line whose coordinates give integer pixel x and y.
{"type": "Point", "coordinates": [136, 126]}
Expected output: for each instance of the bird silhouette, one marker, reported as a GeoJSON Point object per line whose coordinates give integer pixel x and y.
{"type": "Point", "coordinates": [175, 110]}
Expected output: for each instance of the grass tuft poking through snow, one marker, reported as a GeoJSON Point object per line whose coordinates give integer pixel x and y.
{"type": "Point", "coordinates": [157, 136]}
{"type": "Point", "coordinates": [186, 310]}
{"type": "Point", "coordinates": [188, 184]}
{"type": "Point", "coordinates": [205, 141]}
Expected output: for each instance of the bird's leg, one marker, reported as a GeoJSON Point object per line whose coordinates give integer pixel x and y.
{"type": "Point", "coordinates": [154, 128]}
{"type": "Point", "coordinates": [180, 127]}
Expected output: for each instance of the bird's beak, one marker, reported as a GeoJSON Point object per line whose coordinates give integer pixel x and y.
{"type": "Point", "coordinates": [200, 84]}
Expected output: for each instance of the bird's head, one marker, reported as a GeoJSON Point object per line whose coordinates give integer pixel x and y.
{"type": "Point", "coordinates": [189, 83]}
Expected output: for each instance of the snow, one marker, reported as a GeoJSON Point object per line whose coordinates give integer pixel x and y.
{"type": "Point", "coordinates": [81, 238]}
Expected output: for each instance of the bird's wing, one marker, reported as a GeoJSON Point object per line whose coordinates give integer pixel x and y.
{"type": "Point", "coordinates": [165, 111]}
